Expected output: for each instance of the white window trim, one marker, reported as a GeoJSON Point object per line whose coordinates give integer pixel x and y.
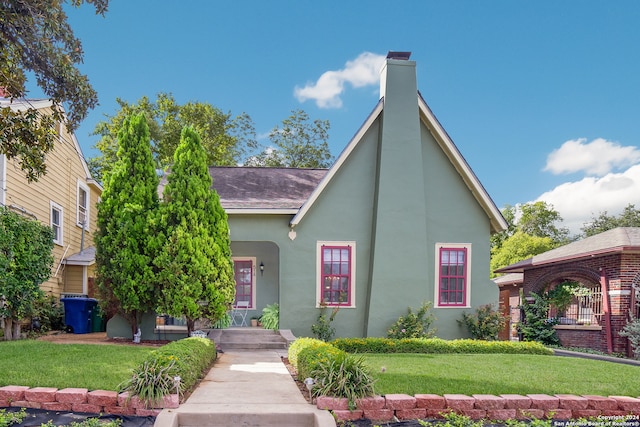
{"type": "Point", "coordinates": [253, 277]}
{"type": "Point", "coordinates": [436, 280]}
{"type": "Point", "coordinates": [53, 205]}
{"type": "Point", "coordinates": [83, 186]}
{"type": "Point", "coordinates": [319, 245]}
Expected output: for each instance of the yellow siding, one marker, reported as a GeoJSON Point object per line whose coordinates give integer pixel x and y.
{"type": "Point", "coordinates": [64, 171]}
{"type": "Point", "coordinates": [73, 279]}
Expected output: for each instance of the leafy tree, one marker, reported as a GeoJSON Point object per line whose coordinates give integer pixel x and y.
{"type": "Point", "coordinates": [124, 257]}
{"type": "Point", "coordinates": [25, 262]}
{"type": "Point", "coordinates": [539, 219]}
{"type": "Point", "coordinates": [195, 271]}
{"type": "Point", "coordinates": [298, 143]}
{"type": "Point", "coordinates": [36, 38]}
{"type": "Point", "coordinates": [531, 230]}
{"type": "Point", "coordinates": [226, 139]}
{"type": "Point", "coordinates": [519, 247]}
{"type": "Point", "coordinates": [630, 217]}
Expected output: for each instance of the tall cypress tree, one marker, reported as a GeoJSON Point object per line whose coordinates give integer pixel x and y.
{"type": "Point", "coordinates": [124, 256]}
{"type": "Point", "coordinates": [195, 271]}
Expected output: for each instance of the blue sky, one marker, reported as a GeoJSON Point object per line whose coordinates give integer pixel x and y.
{"type": "Point", "coordinates": [542, 97]}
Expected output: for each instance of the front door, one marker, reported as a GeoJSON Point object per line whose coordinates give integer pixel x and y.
{"type": "Point", "coordinates": [244, 273]}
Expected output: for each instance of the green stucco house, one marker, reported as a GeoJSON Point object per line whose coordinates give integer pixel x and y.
{"type": "Point", "coordinates": [399, 219]}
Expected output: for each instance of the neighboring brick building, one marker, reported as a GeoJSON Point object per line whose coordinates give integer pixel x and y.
{"type": "Point", "coordinates": [607, 266]}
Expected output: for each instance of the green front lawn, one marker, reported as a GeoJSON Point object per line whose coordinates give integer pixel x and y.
{"type": "Point", "coordinates": [44, 364]}
{"type": "Point", "coordinates": [500, 374]}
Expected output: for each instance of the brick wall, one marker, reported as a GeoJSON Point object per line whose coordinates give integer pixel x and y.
{"type": "Point", "coordinates": [482, 406]}
{"type": "Point", "coordinates": [621, 270]}
{"type": "Point", "coordinates": [80, 400]}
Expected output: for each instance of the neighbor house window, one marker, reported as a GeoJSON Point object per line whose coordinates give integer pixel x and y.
{"type": "Point", "coordinates": [336, 276]}
{"type": "Point", "coordinates": [452, 275]}
{"type": "Point", "coordinates": [244, 273]}
{"type": "Point", "coordinates": [83, 205]}
{"type": "Point", "coordinates": [56, 223]}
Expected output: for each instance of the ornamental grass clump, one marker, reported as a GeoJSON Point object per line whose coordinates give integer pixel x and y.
{"type": "Point", "coordinates": [151, 381]}
{"type": "Point", "coordinates": [343, 375]}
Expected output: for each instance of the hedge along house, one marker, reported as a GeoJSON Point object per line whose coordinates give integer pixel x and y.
{"type": "Point", "coordinates": [607, 268]}
{"type": "Point", "coordinates": [398, 220]}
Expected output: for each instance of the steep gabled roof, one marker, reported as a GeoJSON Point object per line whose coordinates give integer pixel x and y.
{"type": "Point", "coordinates": [619, 239]}
{"type": "Point", "coordinates": [498, 223]}
{"type": "Point", "coordinates": [264, 190]}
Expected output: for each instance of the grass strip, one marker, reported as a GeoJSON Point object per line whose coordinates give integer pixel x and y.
{"type": "Point", "coordinates": [43, 364]}
{"type": "Point", "coordinates": [500, 374]}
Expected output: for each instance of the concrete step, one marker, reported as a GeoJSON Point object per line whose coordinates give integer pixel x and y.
{"type": "Point", "coordinates": [248, 339]}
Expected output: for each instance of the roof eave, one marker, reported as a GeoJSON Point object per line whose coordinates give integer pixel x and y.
{"type": "Point", "coordinates": [338, 163]}
{"type": "Point", "coordinates": [261, 211]}
{"type": "Point", "coordinates": [591, 254]}
{"type": "Point", "coordinates": [497, 221]}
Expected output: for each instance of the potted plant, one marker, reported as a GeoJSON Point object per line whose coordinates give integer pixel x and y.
{"type": "Point", "coordinates": [254, 321]}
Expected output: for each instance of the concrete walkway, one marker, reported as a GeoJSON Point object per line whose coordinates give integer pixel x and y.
{"type": "Point", "coordinates": [246, 388]}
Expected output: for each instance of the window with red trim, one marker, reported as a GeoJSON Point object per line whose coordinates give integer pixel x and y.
{"type": "Point", "coordinates": [453, 277]}
{"type": "Point", "coordinates": [336, 275]}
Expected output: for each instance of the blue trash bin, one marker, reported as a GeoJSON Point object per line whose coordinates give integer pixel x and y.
{"type": "Point", "coordinates": [77, 314]}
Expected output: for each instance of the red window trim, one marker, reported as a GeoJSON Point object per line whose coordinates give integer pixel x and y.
{"type": "Point", "coordinates": [349, 276]}
{"type": "Point", "coordinates": [464, 250]}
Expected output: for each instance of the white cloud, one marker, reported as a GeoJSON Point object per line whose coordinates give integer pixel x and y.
{"type": "Point", "coordinates": [595, 158]}
{"type": "Point", "coordinates": [362, 71]}
{"type": "Point", "coordinates": [579, 201]}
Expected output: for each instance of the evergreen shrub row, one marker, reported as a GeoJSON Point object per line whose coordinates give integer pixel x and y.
{"type": "Point", "coordinates": [186, 358]}
{"type": "Point", "coordinates": [437, 346]}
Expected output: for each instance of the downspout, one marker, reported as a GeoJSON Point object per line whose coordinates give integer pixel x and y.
{"type": "Point", "coordinates": [604, 285]}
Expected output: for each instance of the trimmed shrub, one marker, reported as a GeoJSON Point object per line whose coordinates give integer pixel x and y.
{"type": "Point", "coordinates": [311, 356]}
{"type": "Point", "coordinates": [154, 378]}
{"type": "Point", "coordinates": [414, 325]}
{"type": "Point", "coordinates": [297, 346]}
{"type": "Point", "coordinates": [437, 346]}
{"type": "Point", "coordinates": [485, 324]}
{"type": "Point", "coordinates": [632, 331]}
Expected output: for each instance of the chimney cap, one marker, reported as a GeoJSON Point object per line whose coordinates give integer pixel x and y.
{"type": "Point", "coordinates": [398, 55]}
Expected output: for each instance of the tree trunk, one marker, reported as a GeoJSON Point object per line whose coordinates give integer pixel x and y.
{"type": "Point", "coordinates": [8, 329]}
{"type": "Point", "coordinates": [190, 325]}
{"type": "Point", "coordinates": [11, 329]}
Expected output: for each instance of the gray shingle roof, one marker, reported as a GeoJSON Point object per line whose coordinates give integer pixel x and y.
{"type": "Point", "coordinates": [615, 240]}
{"type": "Point", "coordinates": [264, 188]}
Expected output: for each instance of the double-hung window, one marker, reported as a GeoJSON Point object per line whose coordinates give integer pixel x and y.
{"type": "Point", "coordinates": [336, 278]}
{"type": "Point", "coordinates": [56, 221]}
{"type": "Point", "coordinates": [453, 263]}
{"type": "Point", "coordinates": [83, 205]}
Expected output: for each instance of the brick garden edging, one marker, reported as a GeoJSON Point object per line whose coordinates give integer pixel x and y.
{"type": "Point", "coordinates": [80, 400]}
{"type": "Point", "coordinates": [481, 406]}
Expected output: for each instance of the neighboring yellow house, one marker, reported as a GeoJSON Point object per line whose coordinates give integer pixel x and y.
{"type": "Point", "coordinates": [65, 199]}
